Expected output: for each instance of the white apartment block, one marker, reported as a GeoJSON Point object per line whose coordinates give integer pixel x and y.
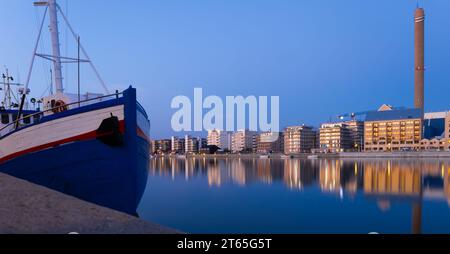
{"type": "Point", "coordinates": [220, 139]}
{"type": "Point", "coordinates": [242, 140]}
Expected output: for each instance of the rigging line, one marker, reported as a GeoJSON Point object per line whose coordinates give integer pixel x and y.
{"type": "Point", "coordinates": [42, 42]}
{"type": "Point", "coordinates": [47, 65]}
{"type": "Point", "coordinates": [66, 66]}
{"type": "Point", "coordinates": [46, 90]}
{"type": "Point", "coordinates": [19, 81]}
{"type": "Point", "coordinates": [15, 98]}
{"type": "Point", "coordinates": [84, 51]}
{"type": "Point", "coordinates": [18, 76]}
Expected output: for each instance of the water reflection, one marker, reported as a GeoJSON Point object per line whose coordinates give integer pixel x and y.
{"type": "Point", "coordinates": [383, 181]}
{"type": "Point", "coordinates": [379, 178]}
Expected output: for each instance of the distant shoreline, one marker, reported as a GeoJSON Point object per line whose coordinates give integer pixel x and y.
{"type": "Point", "coordinates": [398, 155]}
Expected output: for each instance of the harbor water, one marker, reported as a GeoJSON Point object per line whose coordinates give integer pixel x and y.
{"type": "Point", "coordinates": [207, 195]}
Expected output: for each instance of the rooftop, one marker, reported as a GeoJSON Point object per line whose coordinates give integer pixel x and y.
{"type": "Point", "coordinates": [436, 115]}
{"type": "Point", "coordinates": [396, 114]}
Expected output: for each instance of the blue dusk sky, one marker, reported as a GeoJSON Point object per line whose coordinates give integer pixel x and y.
{"type": "Point", "coordinates": [323, 58]}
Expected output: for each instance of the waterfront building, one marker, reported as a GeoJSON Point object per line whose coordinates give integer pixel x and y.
{"type": "Point", "coordinates": [356, 134]}
{"type": "Point", "coordinates": [219, 138]}
{"type": "Point", "coordinates": [435, 144]}
{"type": "Point", "coordinates": [393, 129]}
{"type": "Point", "coordinates": [335, 138]}
{"type": "Point", "coordinates": [242, 141]}
{"type": "Point", "coordinates": [436, 132]}
{"type": "Point", "coordinates": [270, 142]}
{"type": "Point", "coordinates": [153, 146]}
{"type": "Point", "coordinates": [191, 144]}
{"type": "Point", "coordinates": [434, 125]}
{"type": "Point", "coordinates": [202, 143]}
{"type": "Point", "coordinates": [255, 143]}
{"type": "Point", "coordinates": [299, 139]}
{"type": "Point", "coordinates": [447, 126]}
{"type": "Point", "coordinates": [178, 146]}
{"type": "Point", "coordinates": [161, 146]}
{"type": "Point", "coordinates": [317, 140]}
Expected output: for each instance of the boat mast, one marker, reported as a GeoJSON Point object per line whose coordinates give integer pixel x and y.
{"type": "Point", "coordinates": [7, 89]}
{"type": "Point", "coordinates": [53, 13]}
{"type": "Point", "coordinates": [53, 8]}
{"type": "Point", "coordinates": [7, 101]}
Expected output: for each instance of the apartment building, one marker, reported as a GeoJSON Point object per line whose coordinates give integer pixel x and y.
{"type": "Point", "coordinates": [393, 130]}
{"type": "Point", "coordinates": [219, 138]}
{"type": "Point", "coordinates": [191, 144]}
{"type": "Point", "coordinates": [356, 134]}
{"type": "Point", "coordinates": [335, 137]}
{"type": "Point", "coordinates": [178, 145]}
{"type": "Point", "coordinates": [242, 141]}
{"type": "Point", "coordinates": [270, 142]}
{"type": "Point", "coordinates": [161, 146]}
{"type": "Point", "coordinates": [299, 139]}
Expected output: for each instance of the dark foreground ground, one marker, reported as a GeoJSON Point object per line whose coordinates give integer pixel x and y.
{"type": "Point", "coordinates": [26, 208]}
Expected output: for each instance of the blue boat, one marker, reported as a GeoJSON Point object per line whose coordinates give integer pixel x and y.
{"type": "Point", "coordinates": [90, 146]}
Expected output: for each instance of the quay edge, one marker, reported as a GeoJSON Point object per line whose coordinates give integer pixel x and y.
{"type": "Point", "coordinates": [26, 208]}
{"type": "Point", "coordinates": [413, 155]}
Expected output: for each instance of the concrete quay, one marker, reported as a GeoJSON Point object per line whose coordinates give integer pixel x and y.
{"type": "Point", "coordinates": [399, 155]}
{"type": "Point", "coordinates": [26, 208]}
{"type": "Point", "coordinates": [233, 156]}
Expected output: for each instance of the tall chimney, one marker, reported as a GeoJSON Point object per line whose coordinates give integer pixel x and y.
{"type": "Point", "coordinates": [419, 30]}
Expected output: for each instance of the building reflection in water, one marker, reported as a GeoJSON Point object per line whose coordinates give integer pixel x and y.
{"type": "Point", "coordinates": [385, 181]}
{"type": "Point", "coordinates": [380, 179]}
{"type": "Point", "coordinates": [330, 175]}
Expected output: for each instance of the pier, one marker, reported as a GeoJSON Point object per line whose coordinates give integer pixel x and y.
{"type": "Point", "coordinates": [26, 208]}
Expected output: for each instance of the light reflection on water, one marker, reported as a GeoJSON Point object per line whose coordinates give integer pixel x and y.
{"type": "Point", "coordinates": [299, 196]}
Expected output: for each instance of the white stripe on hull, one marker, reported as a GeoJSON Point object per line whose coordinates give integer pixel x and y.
{"type": "Point", "coordinates": [58, 129]}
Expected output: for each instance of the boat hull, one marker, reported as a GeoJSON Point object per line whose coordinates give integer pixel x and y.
{"type": "Point", "coordinates": [103, 167]}
{"type": "Point", "coordinates": [88, 170]}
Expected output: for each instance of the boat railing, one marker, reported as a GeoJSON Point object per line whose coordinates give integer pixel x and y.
{"type": "Point", "coordinates": [73, 105]}
{"type": "Point", "coordinates": [141, 108]}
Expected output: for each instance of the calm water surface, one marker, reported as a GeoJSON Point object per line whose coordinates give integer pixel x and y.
{"type": "Point", "coordinates": [299, 196]}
